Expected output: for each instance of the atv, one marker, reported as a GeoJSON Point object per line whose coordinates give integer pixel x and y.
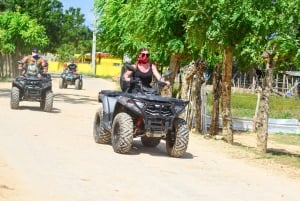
{"type": "Point", "coordinates": [32, 88]}
{"type": "Point", "coordinates": [123, 116]}
{"type": "Point", "coordinates": [70, 78]}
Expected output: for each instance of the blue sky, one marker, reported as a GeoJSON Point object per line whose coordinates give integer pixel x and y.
{"type": "Point", "coordinates": [86, 7]}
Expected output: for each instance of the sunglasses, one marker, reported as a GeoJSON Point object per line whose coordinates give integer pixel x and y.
{"type": "Point", "coordinates": [143, 54]}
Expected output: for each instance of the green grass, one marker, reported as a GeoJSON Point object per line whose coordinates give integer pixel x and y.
{"type": "Point", "coordinates": [286, 139]}
{"type": "Point", "coordinates": [244, 104]}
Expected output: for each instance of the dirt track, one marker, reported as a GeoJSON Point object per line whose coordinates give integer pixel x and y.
{"type": "Point", "coordinates": [52, 157]}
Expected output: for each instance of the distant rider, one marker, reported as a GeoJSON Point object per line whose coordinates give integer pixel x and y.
{"type": "Point", "coordinates": [72, 67]}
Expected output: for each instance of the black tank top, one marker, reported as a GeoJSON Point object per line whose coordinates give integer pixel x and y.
{"type": "Point", "coordinates": [146, 78]}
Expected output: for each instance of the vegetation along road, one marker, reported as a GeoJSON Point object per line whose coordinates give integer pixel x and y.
{"type": "Point", "coordinates": [53, 157]}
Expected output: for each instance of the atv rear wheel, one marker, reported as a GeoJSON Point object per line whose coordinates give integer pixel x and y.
{"type": "Point", "coordinates": [177, 144]}
{"type": "Point", "coordinates": [150, 141]}
{"type": "Point", "coordinates": [122, 133]}
{"type": "Point", "coordinates": [101, 135]}
{"type": "Point", "coordinates": [15, 98]}
{"type": "Point", "coordinates": [48, 101]}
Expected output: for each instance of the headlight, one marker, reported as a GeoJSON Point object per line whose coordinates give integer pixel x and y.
{"type": "Point", "coordinates": [179, 108]}
{"type": "Point", "coordinates": [135, 105]}
{"type": "Point", "coordinates": [140, 104]}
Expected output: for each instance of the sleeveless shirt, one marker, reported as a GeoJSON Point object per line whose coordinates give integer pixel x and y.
{"type": "Point", "coordinates": [146, 77]}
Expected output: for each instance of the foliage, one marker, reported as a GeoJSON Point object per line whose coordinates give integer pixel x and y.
{"type": "Point", "coordinates": [278, 25]}
{"type": "Point", "coordinates": [58, 24]}
{"type": "Point", "coordinates": [126, 27]}
{"type": "Point", "coordinates": [47, 13]}
{"type": "Point", "coordinates": [66, 52]}
{"type": "Point", "coordinates": [20, 31]}
{"type": "Point", "coordinates": [72, 28]}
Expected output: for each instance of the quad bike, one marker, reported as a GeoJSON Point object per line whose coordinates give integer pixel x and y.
{"type": "Point", "coordinates": [123, 116]}
{"type": "Point", "coordinates": [32, 88]}
{"type": "Point", "coordinates": [70, 78]}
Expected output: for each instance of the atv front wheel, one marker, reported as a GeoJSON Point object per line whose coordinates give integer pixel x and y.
{"type": "Point", "coordinates": [78, 84]}
{"type": "Point", "coordinates": [65, 85]}
{"type": "Point", "coordinates": [48, 101]}
{"type": "Point", "coordinates": [61, 83]}
{"type": "Point", "coordinates": [15, 98]}
{"type": "Point", "coordinates": [122, 133]}
{"type": "Point", "coordinates": [177, 144]}
{"type": "Point", "coordinates": [101, 136]}
{"type": "Point", "coordinates": [150, 141]}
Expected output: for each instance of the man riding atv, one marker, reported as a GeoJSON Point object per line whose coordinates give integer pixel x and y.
{"type": "Point", "coordinates": [70, 76]}
{"type": "Point", "coordinates": [34, 83]}
{"type": "Point", "coordinates": [72, 67]}
{"type": "Point", "coordinates": [33, 64]}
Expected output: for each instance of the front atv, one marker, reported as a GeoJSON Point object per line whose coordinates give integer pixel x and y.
{"type": "Point", "coordinates": [70, 78]}
{"type": "Point", "coordinates": [32, 88]}
{"type": "Point", "coordinates": [124, 116]}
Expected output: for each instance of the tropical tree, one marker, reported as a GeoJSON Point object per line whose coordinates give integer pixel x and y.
{"type": "Point", "coordinates": [62, 26]}
{"type": "Point", "coordinates": [124, 27]}
{"type": "Point", "coordinates": [18, 34]}
{"type": "Point", "coordinates": [73, 32]}
{"type": "Point", "coordinates": [48, 13]}
{"type": "Point", "coordinates": [219, 27]}
{"type": "Point", "coordinates": [228, 27]}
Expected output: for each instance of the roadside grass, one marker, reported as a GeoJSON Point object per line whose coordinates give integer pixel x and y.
{"type": "Point", "coordinates": [281, 156]}
{"type": "Point", "coordinates": [284, 156]}
{"type": "Point", "coordinates": [244, 105]}
{"type": "Point", "coordinates": [290, 139]}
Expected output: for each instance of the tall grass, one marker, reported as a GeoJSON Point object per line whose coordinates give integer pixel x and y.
{"type": "Point", "coordinates": [244, 105]}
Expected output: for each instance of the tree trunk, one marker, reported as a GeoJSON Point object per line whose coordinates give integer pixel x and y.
{"type": "Point", "coordinates": [214, 126]}
{"type": "Point", "coordinates": [186, 92]}
{"type": "Point", "coordinates": [191, 89]}
{"type": "Point", "coordinates": [200, 67]}
{"type": "Point", "coordinates": [1, 65]}
{"type": "Point", "coordinates": [226, 95]}
{"type": "Point", "coordinates": [174, 65]}
{"type": "Point", "coordinates": [262, 124]}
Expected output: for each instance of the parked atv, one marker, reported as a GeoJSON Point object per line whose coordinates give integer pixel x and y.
{"type": "Point", "coordinates": [70, 78]}
{"type": "Point", "coordinates": [32, 88]}
{"type": "Point", "coordinates": [124, 116]}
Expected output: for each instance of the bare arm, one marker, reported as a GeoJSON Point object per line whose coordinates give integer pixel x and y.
{"type": "Point", "coordinates": [158, 76]}
{"type": "Point", "coordinates": [156, 73]}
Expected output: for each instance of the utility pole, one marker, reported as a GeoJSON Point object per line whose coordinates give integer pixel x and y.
{"type": "Point", "coordinates": [94, 46]}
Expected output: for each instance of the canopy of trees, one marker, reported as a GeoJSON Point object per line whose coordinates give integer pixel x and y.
{"type": "Point", "coordinates": [44, 24]}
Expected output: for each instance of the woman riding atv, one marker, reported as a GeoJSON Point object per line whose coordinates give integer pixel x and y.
{"type": "Point", "coordinates": [143, 72]}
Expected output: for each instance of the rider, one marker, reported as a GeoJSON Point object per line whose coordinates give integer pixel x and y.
{"type": "Point", "coordinates": [144, 70]}
{"type": "Point", "coordinates": [72, 67]}
{"type": "Point", "coordinates": [33, 64]}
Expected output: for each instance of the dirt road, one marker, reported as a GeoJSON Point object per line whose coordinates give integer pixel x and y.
{"type": "Point", "coordinates": [52, 157]}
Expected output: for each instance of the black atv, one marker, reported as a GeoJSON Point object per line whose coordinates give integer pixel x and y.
{"type": "Point", "coordinates": [70, 78]}
{"type": "Point", "coordinates": [124, 116]}
{"type": "Point", "coordinates": [32, 88]}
